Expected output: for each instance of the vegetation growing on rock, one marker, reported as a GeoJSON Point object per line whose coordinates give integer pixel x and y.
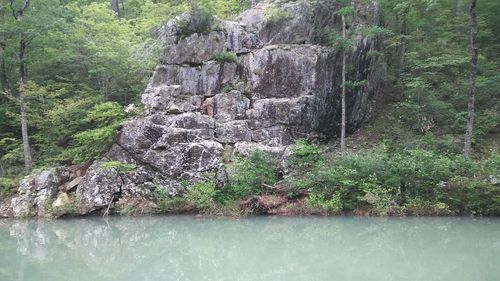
{"type": "Point", "coordinates": [89, 61]}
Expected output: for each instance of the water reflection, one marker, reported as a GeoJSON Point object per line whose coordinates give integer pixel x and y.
{"type": "Point", "coordinates": [187, 248]}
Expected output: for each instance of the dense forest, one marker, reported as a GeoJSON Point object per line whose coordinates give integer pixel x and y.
{"type": "Point", "coordinates": [70, 69]}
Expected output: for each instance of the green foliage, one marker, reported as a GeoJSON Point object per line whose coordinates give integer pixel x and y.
{"type": "Point", "coordinates": [225, 57]}
{"type": "Point", "coordinates": [225, 9]}
{"type": "Point", "coordinates": [199, 197]}
{"type": "Point", "coordinates": [374, 31]}
{"type": "Point", "coordinates": [80, 56]}
{"type": "Point", "coordinates": [305, 154]}
{"type": "Point", "coordinates": [429, 58]}
{"type": "Point", "coordinates": [103, 120]}
{"type": "Point", "coordinates": [387, 182]}
{"type": "Point", "coordinates": [330, 205]}
{"type": "Point", "coordinates": [10, 150]}
{"type": "Point", "coordinates": [202, 195]}
{"type": "Point", "coordinates": [201, 21]}
{"type": "Point", "coordinates": [345, 11]}
{"type": "Point", "coordinates": [68, 209]}
{"type": "Point", "coordinates": [120, 167]}
{"type": "Point", "coordinates": [172, 204]}
{"type": "Point", "coordinates": [275, 14]}
{"type": "Point", "coordinates": [330, 38]}
{"type": "Point", "coordinates": [355, 84]}
{"type": "Point", "coordinates": [250, 174]}
{"type": "Point", "coordinates": [333, 38]}
{"type": "Point", "coordinates": [7, 187]}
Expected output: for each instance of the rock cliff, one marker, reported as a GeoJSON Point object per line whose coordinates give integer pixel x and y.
{"type": "Point", "coordinates": [259, 82]}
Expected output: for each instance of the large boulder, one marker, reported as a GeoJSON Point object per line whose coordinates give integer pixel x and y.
{"type": "Point", "coordinates": [36, 191]}
{"type": "Point", "coordinates": [283, 86]}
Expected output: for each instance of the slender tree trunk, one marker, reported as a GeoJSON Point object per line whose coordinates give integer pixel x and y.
{"type": "Point", "coordinates": [23, 76]}
{"type": "Point", "coordinates": [342, 130]}
{"type": "Point", "coordinates": [123, 9]}
{"type": "Point", "coordinates": [116, 8]}
{"type": "Point", "coordinates": [23, 72]}
{"type": "Point", "coordinates": [473, 76]}
{"type": "Point", "coordinates": [402, 49]}
{"type": "Point", "coordinates": [3, 71]}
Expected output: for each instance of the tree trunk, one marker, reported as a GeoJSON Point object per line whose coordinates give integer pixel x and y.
{"type": "Point", "coordinates": [123, 9]}
{"type": "Point", "coordinates": [473, 76]}
{"type": "Point", "coordinates": [116, 8]}
{"type": "Point", "coordinates": [23, 72]}
{"type": "Point", "coordinates": [3, 71]}
{"type": "Point", "coordinates": [23, 76]}
{"type": "Point", "coordinates": [342, 130]}
{"type": "Point", "coordinates": [402, 49]}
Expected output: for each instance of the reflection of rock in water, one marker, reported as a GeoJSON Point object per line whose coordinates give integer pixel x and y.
{"type": "Point", "coordinates": [185, 248]}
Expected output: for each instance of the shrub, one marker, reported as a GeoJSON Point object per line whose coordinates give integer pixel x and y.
{"type": "Point", "coordinates": [330, 205]}
{"type": "Point", "coordinates": [200, 21]}
{"type": "Point", "coordinates": [304, 153]}
{"type": "Point", "coordinates": [250, 174]}
{"type": "Point", "coordinates": [421, 181]}
{"type": "Point", "coordinates": [274, 14]}
{"type": "Point", "coordinates": [172, 204]}
{"type": "Point", "coordinates": [225, 57]}
{"type": "Point", "coordinates": [7, 187]}
{"type": "Point", "coordinates": [472, 196]}
{"type": "Point", "coordinates": [68, 209]}
{"type": "Point", "coordinates": [202, 195]}
{"type": "Point", "coordinates": [329, 38]}
{"type": "Point", "coordinates": [420, 207]}
{"type": "Point", "coordinates": [120, 167]}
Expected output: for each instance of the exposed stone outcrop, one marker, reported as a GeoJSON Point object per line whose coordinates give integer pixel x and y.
{"type": "Point", "coordinates": [36, 191]}
{"type": "Point", "coordinates": [283, 86]}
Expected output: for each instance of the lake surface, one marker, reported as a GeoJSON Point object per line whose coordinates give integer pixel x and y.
{"type": "Point", "coordinates": [262, 248]}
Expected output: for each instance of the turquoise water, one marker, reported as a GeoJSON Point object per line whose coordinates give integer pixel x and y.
{"type": "Point", "coordinates": [263, 248]}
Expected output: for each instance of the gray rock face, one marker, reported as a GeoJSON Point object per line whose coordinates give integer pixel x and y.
{"type": "Point", "coordinates": [37, 190]}
{"type": "Point", "coordinates": [282, 87]}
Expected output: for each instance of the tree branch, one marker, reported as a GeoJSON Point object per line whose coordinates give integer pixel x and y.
{"type": "Point", "coordinates": [11, 2]}
{"type": "Point", "coordinates": [17, 13]}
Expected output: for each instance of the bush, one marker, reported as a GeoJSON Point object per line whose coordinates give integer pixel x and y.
{"type": "Point", "coordinates": [201, 21]}
{"type": "Point", "coordinates": [329, 38]}
{"type": "Point", "coordinates": [7, 187]}
{"type": "Point", "coordinates": [225, 57]}
{"type": "Point", "coordinates": [250, 174]}
{"type": "Point", "coordinates": [274, 14]}
{"type": "Point", "coordinates": [305, 154]}
{"type": "Point", "coordinates": [418, 179]}
{"type": "Point", "coordinates": [331, 205]}
{"type": "Point", "coordinates": [120, 167]}
{"type": "Point", "coordinates": [172, 204]}
{"type": "Point", "coordinates": [202, 195]}
{"type": "Point", "coordinates": [472, 196]}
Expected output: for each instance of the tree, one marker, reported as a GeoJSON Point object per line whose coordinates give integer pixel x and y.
{"type": "Point", "coordinates": [344, 45]}
{"type": "Point", "coordinates": [473, 77]}
{"type": "Point", "coordinates": [3, 70]}
{"type": "Point", "coordinates": [18, 14]}
{"type": "Point", "coordinates": [116, 8]}
{"type": "Point", "coordinates": [342, 131]}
